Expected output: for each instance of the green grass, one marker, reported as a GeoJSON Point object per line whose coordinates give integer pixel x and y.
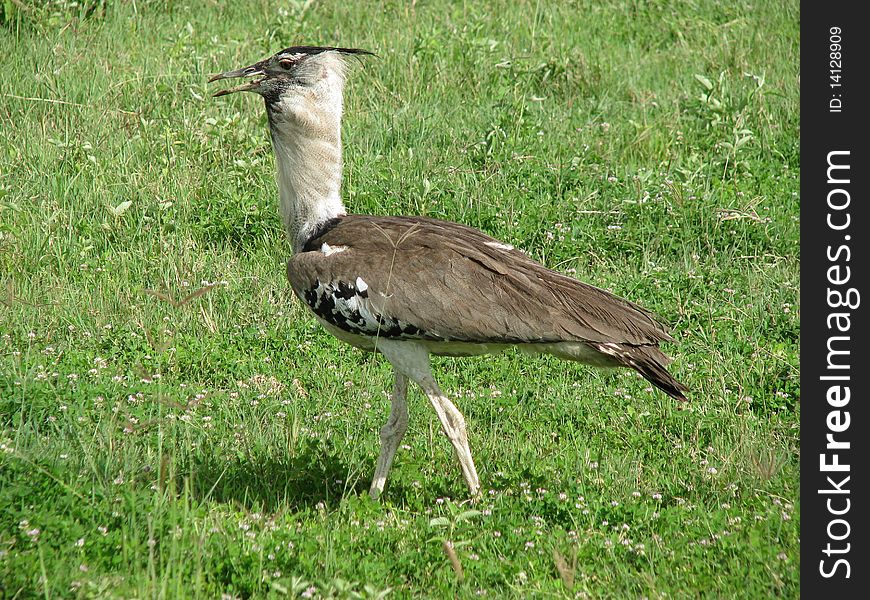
{"type": "Point", "coordinates": [225, 445]}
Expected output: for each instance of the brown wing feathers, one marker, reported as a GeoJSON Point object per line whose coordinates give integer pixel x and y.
{"type": "Point", "coordinates": [430, 279]}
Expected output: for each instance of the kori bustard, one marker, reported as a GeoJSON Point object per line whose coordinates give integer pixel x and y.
{"type": "Point", "coordinates": [409, 287]}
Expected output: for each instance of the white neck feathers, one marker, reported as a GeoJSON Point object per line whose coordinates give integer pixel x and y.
{"type": "Point", "coordinates": [306, 137]}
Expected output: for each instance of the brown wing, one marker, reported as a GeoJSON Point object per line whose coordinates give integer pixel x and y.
{"type": "Point", "coordinates": [414, 277]}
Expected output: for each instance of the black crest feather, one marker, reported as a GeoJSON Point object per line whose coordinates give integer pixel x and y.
{"type": "Point", "coordinates": [318, 49]}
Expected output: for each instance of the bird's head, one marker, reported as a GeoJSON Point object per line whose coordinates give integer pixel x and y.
{"type": "Point", "coordinates": [293, 72]}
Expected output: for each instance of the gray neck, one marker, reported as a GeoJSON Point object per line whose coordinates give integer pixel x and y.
{"type": "Point", "coordinates": [306, 137]}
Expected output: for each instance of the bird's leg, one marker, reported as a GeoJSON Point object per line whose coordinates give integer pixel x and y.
{"type": "Point", "coordinates": [453, 424]}
{"type": "Point", "coordinates": [391, 434]}
{"type": "Point", "coordinates": [413, 360]}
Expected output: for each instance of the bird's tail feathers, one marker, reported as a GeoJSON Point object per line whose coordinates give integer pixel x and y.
{"type": "Point", "coordinates": [650, 362]}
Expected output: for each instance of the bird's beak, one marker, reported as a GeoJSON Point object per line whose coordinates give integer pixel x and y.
{"type": "Point", "coordinates": [252, 71]}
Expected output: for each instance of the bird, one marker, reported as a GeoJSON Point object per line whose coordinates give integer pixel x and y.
{"type": "Point", "coordinates": [409, 287]}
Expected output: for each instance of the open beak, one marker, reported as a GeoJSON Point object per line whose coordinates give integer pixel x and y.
{"type": "Point", "coordinates": [252, 71]}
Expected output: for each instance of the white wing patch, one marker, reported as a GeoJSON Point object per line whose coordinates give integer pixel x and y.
{"type": "Point", "coordinates": [499, 245]}
{"type": "Point", "coordinates": [330, 250]}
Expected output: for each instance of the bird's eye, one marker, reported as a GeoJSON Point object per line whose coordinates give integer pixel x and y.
{"type": "Point", "coordinates": [286, 64]}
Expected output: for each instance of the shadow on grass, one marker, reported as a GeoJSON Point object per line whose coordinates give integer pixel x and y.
{"type": "Point", "coordinates": [310, 474]}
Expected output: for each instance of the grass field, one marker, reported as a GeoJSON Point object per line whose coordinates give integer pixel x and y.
{"type": "Point", "coordinates": [174, 424]}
